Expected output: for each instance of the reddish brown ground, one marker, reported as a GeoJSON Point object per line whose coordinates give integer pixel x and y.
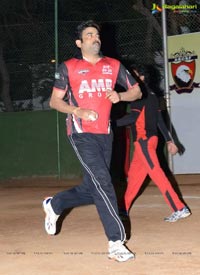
{"type": "Point", "coordinates": [81, 246]}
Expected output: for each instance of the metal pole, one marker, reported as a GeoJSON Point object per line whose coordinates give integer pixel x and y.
{"type": "Point", "coordinates": [166, 74]}
{"type": "Point", "coordinates": [56, 32]}
{"type": "Point", "coordinates": [56, 66]}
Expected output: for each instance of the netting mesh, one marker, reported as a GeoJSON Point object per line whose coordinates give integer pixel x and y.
{"type": "Point", "coordinates": [128, 32]}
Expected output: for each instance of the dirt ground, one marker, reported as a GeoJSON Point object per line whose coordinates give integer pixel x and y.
{"type": "Point", "coordinates": [80, 248]}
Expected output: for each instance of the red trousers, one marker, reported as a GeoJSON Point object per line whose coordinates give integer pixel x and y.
{"type": "Point", "coordinates": [145, 162]}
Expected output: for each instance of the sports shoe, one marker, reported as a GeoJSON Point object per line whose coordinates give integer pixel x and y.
{"type": "Point", "coordinates": [180, 214]}
{"type": "Point", "coordinates": [51, 218]}
{"type": "Point", "coordinates": [118, 251]}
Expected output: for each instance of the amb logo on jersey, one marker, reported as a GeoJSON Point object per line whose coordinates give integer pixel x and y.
{"type": "Point", "coordinates": [183, 69]}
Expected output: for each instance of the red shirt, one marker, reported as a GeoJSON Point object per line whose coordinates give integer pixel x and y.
{"type": "Point", "coordinates": [86, 85]}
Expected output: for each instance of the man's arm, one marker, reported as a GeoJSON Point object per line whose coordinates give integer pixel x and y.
{"type": "Point", "coordinates": [171, 146]}
{"type": "Point", "coordinates": [127, 119]}
{"type": "Point", "coordinates": [131, 94]}
{"type": "Point", "coordinates": [57, 102]}
{"type": "Point", "coordinates": [129, 85]}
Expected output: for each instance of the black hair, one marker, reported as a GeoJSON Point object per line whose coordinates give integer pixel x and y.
{"type": "Point", "coordinates": [151, 74]}
{"type": "Point", "coordinates": [86, 24]}
{"type": "Point", "coordinates": [138, 69]}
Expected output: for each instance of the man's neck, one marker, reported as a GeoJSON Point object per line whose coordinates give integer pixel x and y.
{"type": "Point", "coordinates": [92, 59]}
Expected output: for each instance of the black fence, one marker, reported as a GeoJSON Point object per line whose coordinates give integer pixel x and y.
{"type": "Point", "coordinates": [27, 62]}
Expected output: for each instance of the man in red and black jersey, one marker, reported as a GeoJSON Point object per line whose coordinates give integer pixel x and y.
{"type": "Point", "coordinates": [89, 82]}
{"type": "Point", "coordinates": [145, 119]}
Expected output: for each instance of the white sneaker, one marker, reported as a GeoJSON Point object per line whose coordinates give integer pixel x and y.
{"type": "Point", "coordinates": [51, 218]}
{"type": "Point", "coordinates": [118, 251]}
{"type": "Point", "coordinates": [177, 215]}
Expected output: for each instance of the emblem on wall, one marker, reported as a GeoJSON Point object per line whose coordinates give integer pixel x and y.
{"type": "Point", "coordinates": [183, 68]}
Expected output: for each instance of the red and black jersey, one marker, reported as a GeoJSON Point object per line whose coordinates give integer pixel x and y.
{"type": "Point", "coordinates": [145, 118]}
{"type": "Point", "coordinates": [86, 85]}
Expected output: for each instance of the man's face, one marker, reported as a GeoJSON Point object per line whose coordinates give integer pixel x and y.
{"type": "Point", "coordinates": [90, 43]}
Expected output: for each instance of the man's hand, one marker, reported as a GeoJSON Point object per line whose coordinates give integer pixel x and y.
{"type": "Point", "coordinates": [172, 148]}
{"type": "Point", "coordinates": [113, 96]}
{"type": "Point", "coordinates": [85, 114]}
{"type": "Point", "coordinates": [132, 94]}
